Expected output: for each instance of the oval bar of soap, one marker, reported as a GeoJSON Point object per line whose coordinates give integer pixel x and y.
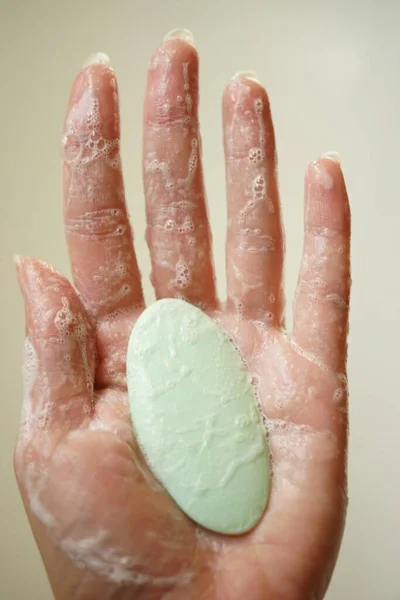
{"type": "Point", "coordinates": [195, 416]}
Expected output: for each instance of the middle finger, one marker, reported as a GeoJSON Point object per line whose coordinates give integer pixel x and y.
{"type": "Point", "coordinates": [178, 232]}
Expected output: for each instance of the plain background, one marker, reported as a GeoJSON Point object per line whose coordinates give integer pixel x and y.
{"type": "Point", "coordinates": [332, 71]}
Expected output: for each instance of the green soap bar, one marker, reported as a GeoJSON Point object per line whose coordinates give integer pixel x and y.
{"type": "Point", "coordinates": [195, 416]}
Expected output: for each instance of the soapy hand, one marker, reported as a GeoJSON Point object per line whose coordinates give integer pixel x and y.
{"type": "Point", "coordinates": [104, 525]}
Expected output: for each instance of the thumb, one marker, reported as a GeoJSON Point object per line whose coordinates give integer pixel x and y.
{"type": "Point", "coordinates": [59, 354]}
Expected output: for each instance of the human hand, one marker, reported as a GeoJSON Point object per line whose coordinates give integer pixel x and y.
{"type": "Point", "coordinates": [105, 527]}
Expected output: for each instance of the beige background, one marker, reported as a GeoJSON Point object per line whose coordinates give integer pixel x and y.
{"type": "Point", "coordinates": [332, 70]}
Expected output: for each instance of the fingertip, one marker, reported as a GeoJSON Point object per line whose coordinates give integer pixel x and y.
{"type": "Point", "coordinates": [172, 84]}
{"type": "Point", "coordinates": [93, 72]}
{"type": "Point", "coordinates": [326, 196]}
{"type": "Point", "coordinates": [19, 270]}
{"type": "Point", "coordinates": [94, 90]}
{"type": "Point", "coordinates": [245, 84]}
{"type": "Point", "coordinates": [23, 264]}
{"type": "Point", "coordinates": [173, 49]}
{"type": "Point", "coordinates": [17, 262]}
{"type": "Point", "coordinates": [247, 121]}
{"type": "Point", "coordinates": [33, 275]}
{"type": "Point", "coordinates": [329, 163]}
{"type": "Point", "coordinates": [245, 98]}
{"type": "Point", "coordinates": [92, 125]}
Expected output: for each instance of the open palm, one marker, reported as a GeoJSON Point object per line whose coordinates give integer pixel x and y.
{"type": "Point", "coordinates": [105, 526]}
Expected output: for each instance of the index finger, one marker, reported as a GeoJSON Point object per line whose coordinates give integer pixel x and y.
{"type": "Point", "coordinates": [97, 228]}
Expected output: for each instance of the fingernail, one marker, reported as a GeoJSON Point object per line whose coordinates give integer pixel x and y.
{"type": "Point", "coordinates": [31, 273]}
{"type": "Point", "coordinates": [180, 34]}
{"type": "Point", "coordinates": [20, 270]}
{"type": "Point", "coordinates": [246, 75]}
{"type": "Point", "coordinates": [18, 261]}
{"type": "Point", "coordinates": [335, 156]}
{"type": "Point", "coordinates": [97, 58]}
